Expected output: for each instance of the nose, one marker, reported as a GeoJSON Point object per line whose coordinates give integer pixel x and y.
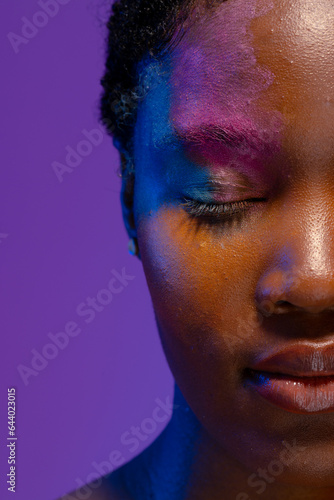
{"type": "Point", "coordinates": [299, 274]}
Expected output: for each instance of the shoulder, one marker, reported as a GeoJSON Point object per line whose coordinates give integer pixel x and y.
{"type": "Point", "coordinates": [110, 487]}
{"type": "Point", "coordinates": [122, 484]}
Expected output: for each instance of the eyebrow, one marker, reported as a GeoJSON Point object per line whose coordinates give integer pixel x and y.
{"type": "Point", "coordinates": [205, 134]}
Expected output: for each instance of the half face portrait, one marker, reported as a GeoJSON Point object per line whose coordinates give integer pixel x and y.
{"type": "Point", "coordinates": [223, 115]}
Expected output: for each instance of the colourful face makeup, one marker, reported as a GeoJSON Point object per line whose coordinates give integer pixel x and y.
{"type": "Point", "coordinates": [214, 95]}
{"type": "Point", "coordinates": [233, 206]}
{"type": "Point", "coordinates": [206, 109]}
{"type": "Point", "coordinates": [216, 77]}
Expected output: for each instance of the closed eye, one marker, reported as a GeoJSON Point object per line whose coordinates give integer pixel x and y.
{"type": "Point", "coordinates": [219, 212]}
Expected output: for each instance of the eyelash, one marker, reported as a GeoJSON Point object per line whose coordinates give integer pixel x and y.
{"type": "Point", "coordinates": [218, 211]}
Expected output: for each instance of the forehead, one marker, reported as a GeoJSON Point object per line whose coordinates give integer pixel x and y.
{"type": "Point", "coordinates": [255, 64]}
{"type": "Point", "coordinates": [279, 51]}
{"type": "Point", "coordinates": [214, 68]}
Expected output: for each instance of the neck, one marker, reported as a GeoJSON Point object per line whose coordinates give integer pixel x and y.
{"type": "Point", "coordinates": [184, 463]}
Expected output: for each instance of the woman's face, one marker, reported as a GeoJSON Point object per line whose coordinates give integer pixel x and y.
{"type": "Point", "coordinates": [234, 213]}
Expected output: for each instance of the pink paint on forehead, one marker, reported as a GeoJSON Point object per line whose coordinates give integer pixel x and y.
{"type": "Point", "coordinates": [215, 76]}
{"type": "Point", "coordinates": [236, 171]}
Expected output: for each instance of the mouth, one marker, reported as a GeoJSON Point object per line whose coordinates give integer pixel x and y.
{"type": "Point", "coordinates": [299, 379]}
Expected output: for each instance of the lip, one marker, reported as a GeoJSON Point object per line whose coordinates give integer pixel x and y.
{"type": "Point", "coordinates": [299, 379]}
{"type": "Point", "coordinates": [300, 361]}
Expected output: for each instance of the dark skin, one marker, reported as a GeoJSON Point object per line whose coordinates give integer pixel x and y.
{"type": "Point", "coordinates": [213, 282]}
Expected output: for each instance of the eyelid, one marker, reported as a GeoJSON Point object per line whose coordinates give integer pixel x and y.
{"type": "Point", "coordinates": [219, 211]}
{"type": "Point", "coordinates": [227, 185]}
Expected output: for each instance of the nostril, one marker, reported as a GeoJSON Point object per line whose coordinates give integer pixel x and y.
{"type": "Point", "coordinates": [282, 303]}
{"type": "Point", "coordinates": [284, 306]}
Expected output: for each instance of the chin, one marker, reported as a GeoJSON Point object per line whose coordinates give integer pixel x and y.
{"type": "Point", "coordinates": [310, 474]}
{"type": "Point", "coordinates": [312, 467]}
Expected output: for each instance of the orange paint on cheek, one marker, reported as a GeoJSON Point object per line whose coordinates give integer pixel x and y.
{"type": "Point", "coordinates": [195, 275]}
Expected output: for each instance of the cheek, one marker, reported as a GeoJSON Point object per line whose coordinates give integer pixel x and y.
{"type": "Point", "coordinates": [200, 284]}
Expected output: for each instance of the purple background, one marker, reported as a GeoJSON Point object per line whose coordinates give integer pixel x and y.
{"type": "Point", "coordinates": [58, 244]}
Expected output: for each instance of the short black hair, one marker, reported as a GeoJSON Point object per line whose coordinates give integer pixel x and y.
{"type": "Point", "coordinates": [137, 29]}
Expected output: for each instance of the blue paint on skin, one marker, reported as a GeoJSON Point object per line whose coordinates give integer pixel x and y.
{"type": "Point", "coordinates": [167, 173]}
